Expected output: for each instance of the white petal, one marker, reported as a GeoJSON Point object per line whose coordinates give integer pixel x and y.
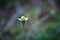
{"type": "Point", "coordinates": [19, 19]}
{"type": "Point", "coordinates": [26, 18]}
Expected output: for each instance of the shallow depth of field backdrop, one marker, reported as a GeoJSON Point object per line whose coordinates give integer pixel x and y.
{"type": "Point", "coordinates": [43, 19]}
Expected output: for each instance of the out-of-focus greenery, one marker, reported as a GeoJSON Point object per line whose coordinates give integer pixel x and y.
{"type": "Point", "coordinates": [52, 32]}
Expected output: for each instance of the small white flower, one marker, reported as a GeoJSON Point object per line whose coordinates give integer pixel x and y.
{"type": "Point", "coordinates": [23, 18]}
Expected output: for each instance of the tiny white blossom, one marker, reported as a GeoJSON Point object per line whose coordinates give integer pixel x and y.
{"type": "Point", "coordinates": [23, 18]}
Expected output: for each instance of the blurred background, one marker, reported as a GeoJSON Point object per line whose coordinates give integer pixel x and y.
{"type": "Point", "coordinates": [43, 19]}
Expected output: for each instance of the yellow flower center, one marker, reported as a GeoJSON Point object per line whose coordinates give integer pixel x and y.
{"type": "Point", "coordinates": [22, 18]}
